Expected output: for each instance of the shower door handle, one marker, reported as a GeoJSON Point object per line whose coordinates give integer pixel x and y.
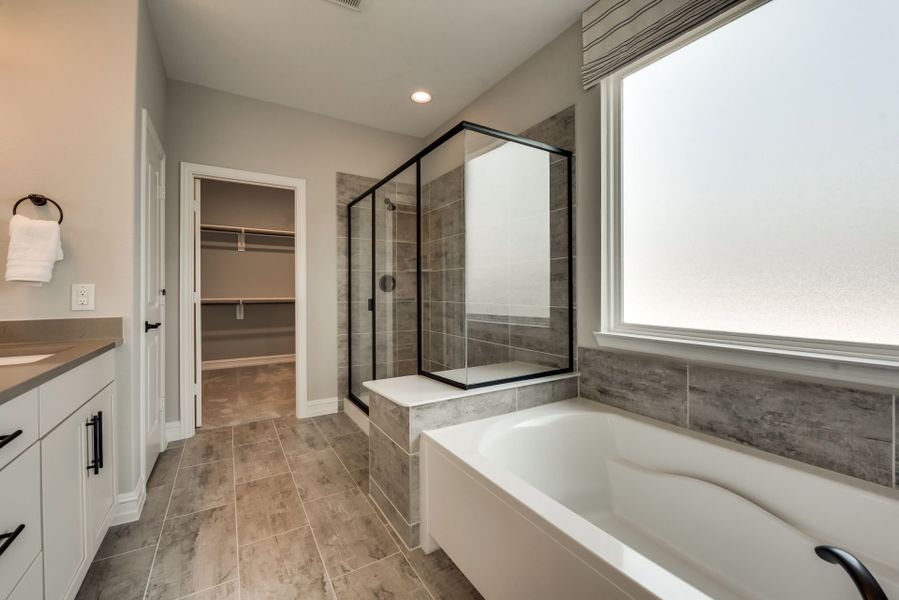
{"type": "Point", "coordinates": [371, 304]}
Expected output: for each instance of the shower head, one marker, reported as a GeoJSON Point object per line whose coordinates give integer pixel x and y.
{"type": "Point", "coordinates": [390, 205]}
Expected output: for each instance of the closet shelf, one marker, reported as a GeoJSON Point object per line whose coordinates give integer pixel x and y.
{"type": "Point", "coordinates": [247, 230]}
{"type": "Point", "coordinates": [247, 300]}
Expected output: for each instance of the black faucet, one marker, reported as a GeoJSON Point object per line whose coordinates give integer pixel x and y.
{"type": "Point", "coordinates": [865, 582]}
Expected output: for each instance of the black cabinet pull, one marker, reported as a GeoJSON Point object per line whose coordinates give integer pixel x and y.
{"type": "Point", "coordinates": [9, 538]}
{"type": "Point", "coordinates": [94, 465]}
{"type": "Point", "coordinates": [148, 326]}
{"type": "Point", "coordinates": [5, 439]}
{"type": "Point", "coordinates": [99, 455]}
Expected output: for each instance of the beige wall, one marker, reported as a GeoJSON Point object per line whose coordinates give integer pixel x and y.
{"type": "Point", "coordinates": [215, 128]}
{"type": "Point", "coordinates": [73, 76]}
{"type": "Point", "coordinates": [543, 85]}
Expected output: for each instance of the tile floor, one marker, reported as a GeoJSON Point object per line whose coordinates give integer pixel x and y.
{"type": "Point", "coordinates": [273, 509]}
{"type": "Point", "coordinates": [245, 394]}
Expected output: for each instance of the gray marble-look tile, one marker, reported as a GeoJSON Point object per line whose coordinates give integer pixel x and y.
{"type": "Point", "coordinates": [461, 410]}
{"type": "Point", "coordinates": [396, 473]}
{"type": "Point", "coordinates": [530, 396]}
{"type": "Point", "coordinates": [349, 534]}
{"type": "Point", "coordinates": [844, 430]}
{"type": "Point", "coordinates": [266, 507]}
{"type": "Point", "coordinates": [647, 385]}
{"type": "Point", "coordinates": [486, 353]}
{"type": "Point", "coordinates": [252, 433]}
{"type": "Point", "coordinates": [392, 577]}
{"type": "Point", "coordinates": [360, 477]}
{"type": "Point", "coordinates": [202, 487]}
{"type": "Point", "coordinates": [226, 591]}
{"type": "Point", "coordinates": [391, 418]}
{"type": "Point", "coordinates": [207, 446]}
{"type": "Point", "coordinates": [284, 566]}
{"type": "Point", "coordinates": [257, 461]}
{"type": "Point", "coordinates": [352, 449]}
{"type": "Point", "coordinates": [408, 533]}
{"type": "Point", "coordinates": [122, 577]}
{"type": "Point", "coordinates": [441, 576]}
{"type": "Point", "coordinates": [303, 437]}
{"type": "Point", "coordinates": [334, 425]}
{"type": "Point", "coordinates": [166, 467]}
{"type": "Point", "coordinates": [319, 474]}
{"type": "Point", "coordinates": [556, 130]}
{"type": "Point", "coordinates": [141, 533]}
{"type": "Point", "coordinates": [195, 552]}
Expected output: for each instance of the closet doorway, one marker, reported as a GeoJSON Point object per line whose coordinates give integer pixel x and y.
{"type": "Point", "coordinates": [243, 297]}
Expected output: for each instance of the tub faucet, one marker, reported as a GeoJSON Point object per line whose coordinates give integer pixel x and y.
{"type": "Point", "coordinates": [862, 578]}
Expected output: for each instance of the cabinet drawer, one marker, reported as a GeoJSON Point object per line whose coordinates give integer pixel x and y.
{"type": "Point", "coordinates": [63, 395]}
{"type": "Point", "coordinates": [18, 414]}
{"type": "Point", "coordinates": [31, 586]}
{"type": "Point", "coordinates": [20, 504]}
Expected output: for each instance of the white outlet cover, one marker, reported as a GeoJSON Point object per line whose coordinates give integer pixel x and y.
{"type": "Point", "coordinates": [83, 296]}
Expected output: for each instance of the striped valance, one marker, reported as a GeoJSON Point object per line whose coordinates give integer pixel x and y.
{"type": "Point", "coordinates": [618, 31]}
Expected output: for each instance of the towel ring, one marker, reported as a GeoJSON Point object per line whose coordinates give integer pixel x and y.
{"type": "Point", "coordinates": [38, 200]}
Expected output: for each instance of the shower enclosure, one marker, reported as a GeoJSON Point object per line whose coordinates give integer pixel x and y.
{"type": "Point", "coordinates": [460, 264]}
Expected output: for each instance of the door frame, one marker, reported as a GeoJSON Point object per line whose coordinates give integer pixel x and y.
{"type": "Point", "coordinates": [149, 136]}
{"type": "Point", "coordinates": [189, 349]}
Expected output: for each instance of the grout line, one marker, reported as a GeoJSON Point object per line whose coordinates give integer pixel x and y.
{"type": "Point", "coordinates": [162, 525]}
{"type": "Point", "coordinates": [400, 552]}
{"type": "Point", "coordinates": [274, 535]}
{"type": "Point", "coordinates": [224, 583]}
{"type": "Point", "coordinates": [96, 560]}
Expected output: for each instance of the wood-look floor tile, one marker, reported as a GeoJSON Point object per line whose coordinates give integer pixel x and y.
{"type": "Point", "coordinates": [207, 447]}
{"type": "Point", "coordinates": [284, 567]}
{"type": "Point", "coordinates": [266, 507]}
{"type": "Point", "coordinates": [441, 576]}
{"type": "Point", "coordinates": [349, 534]}
{"type": "Point", "coordinates": [257, 461]}
{"type": "Point", "coordinates": [163, 473]}
{"type": "Point", "coordinates": [352, 449]}
{"type": "Point", "coordinates": [202, 487]}
{"type": "Point", "coordinates": [195, 552]}
{"type": "Point", "coordinates": [253, 433]}
{"type": "Point", "coordinates": [225, 591]}
{"type": "Point", "coordinates": [391, 578]}
{"type": "Point", "coordinates": [319, 474]}
{"type": "Point", "coordinates": [141, 533]}
{"type": "Point", "coordinates": [335, 425]}
{"type": "Point", "coordinates": [122, 577]}
{"type": "Point", "coordinates": [301, 438]}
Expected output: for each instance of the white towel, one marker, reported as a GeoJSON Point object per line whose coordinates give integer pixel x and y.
{"type": "Point", "coordinates": [34, 247]}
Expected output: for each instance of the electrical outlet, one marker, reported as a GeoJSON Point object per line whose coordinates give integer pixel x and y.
{"type": "Point", "coordinates": [82, 296]}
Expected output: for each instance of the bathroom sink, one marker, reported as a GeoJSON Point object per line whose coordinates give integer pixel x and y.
{"type": "Point", "coordinates": [23, 359]}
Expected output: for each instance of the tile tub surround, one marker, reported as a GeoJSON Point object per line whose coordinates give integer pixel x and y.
{"type": "Point", "coordinates": [403, 407]}
{"type": "Point", "coordinates": [846, 430]}
{"type": "Point", "coordinates": [204, 534]}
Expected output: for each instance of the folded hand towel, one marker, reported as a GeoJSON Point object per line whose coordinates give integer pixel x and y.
{"type": "Point", "coordinates": [34, 246]}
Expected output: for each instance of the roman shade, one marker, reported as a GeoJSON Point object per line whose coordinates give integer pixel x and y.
{"type": "Point", "coordinates": [617, 32]}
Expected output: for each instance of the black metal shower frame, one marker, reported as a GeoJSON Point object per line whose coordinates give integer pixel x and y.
{"type": "Point", "coordinates": [370, 193]}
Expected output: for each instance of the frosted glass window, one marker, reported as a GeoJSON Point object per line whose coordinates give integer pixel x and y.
{"type": "Point", "coordinates": [760, 177]}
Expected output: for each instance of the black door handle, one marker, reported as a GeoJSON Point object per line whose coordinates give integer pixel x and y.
{"type": "Point", "coordinates": [9, 538]}
{"type": "Point", "coordinates": [148, 326]}
{"type": "Point", "coordinates": [5, 439]}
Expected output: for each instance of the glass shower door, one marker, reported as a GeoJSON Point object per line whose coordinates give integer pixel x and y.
{"type": "Point", "coordinates": [361, 297]}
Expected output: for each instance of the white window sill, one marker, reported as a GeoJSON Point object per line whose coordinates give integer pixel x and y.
{"type": "Point", "coordinates": [879, 374]}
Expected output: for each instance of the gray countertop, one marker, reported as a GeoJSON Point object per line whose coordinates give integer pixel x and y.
{"type": "Point", "coordinates": [18, 379]}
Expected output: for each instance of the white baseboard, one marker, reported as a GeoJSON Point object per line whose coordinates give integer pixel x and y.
{"type": "Point", "coordinates": [356, 414]}
{"type": "Point", "coordinates": [248, 361]}
{"type": "Point", "coordinates": [322, 406]}
{"type": "Point", "coordinates": [173, 432]}
{"type": "Point", "coordinates": [129, 505]}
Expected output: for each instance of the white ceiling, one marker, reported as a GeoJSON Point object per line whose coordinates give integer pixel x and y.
{"type": "Point", "coordinates": [358, 66]}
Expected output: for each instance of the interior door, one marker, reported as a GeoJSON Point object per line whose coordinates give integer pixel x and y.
{"type": "Point", "coordinates": [153, 175]}
{"type": "Point", "coordinates": [198, 311]}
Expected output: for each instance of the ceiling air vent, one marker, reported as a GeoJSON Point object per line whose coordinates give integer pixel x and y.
{"type": "Point", "coordinates": [352, 4]}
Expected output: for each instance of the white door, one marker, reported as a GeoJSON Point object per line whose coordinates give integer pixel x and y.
{"type": "Point", "coordinates": [153, 294]}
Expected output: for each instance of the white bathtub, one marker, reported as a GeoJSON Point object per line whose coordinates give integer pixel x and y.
{"type": "Point", "coordinates": [578, 500]}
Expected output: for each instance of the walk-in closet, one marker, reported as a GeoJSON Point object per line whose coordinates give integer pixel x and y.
{"type": "Point", "coordinates": [247, 329]}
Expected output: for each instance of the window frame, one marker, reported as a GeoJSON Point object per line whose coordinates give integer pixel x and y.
{"type": "Point", "coordinates": [870, 365]}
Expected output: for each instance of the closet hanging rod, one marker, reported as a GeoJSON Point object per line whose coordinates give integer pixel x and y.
{"type": "Point", "coordinates": [250, 230]}
{"type": "Point", "coordinates": [275, 300]}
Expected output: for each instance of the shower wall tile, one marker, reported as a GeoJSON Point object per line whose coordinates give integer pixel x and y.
{"type": "Point", "coordinates": [406, 256]}
{"type": "Point", "coordinates": [550, 361]}
{"type": "Point", "coordinates": [844, 430]}
{"type": "Point", "coordinates": [651, 386]}
{"type": "Point", "coordinates": [486, 353]}
{"type": "Point", "coordinates": [558, 231]}
{"type": "Point", "coordinates": [547, 337]}
{"type": "Point", "coordinates": [486, 331]}
{"type": "Point", "coordinates": [558, 130]}
{"type": "Point", "coordinates": [544, 393]}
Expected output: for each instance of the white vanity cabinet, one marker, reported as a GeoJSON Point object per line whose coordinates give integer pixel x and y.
{"type": "Point", "coordinates": [67, 483]}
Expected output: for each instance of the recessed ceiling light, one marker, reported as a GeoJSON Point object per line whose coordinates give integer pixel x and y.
{"type": "Point", "coordinates": [420, 97]}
